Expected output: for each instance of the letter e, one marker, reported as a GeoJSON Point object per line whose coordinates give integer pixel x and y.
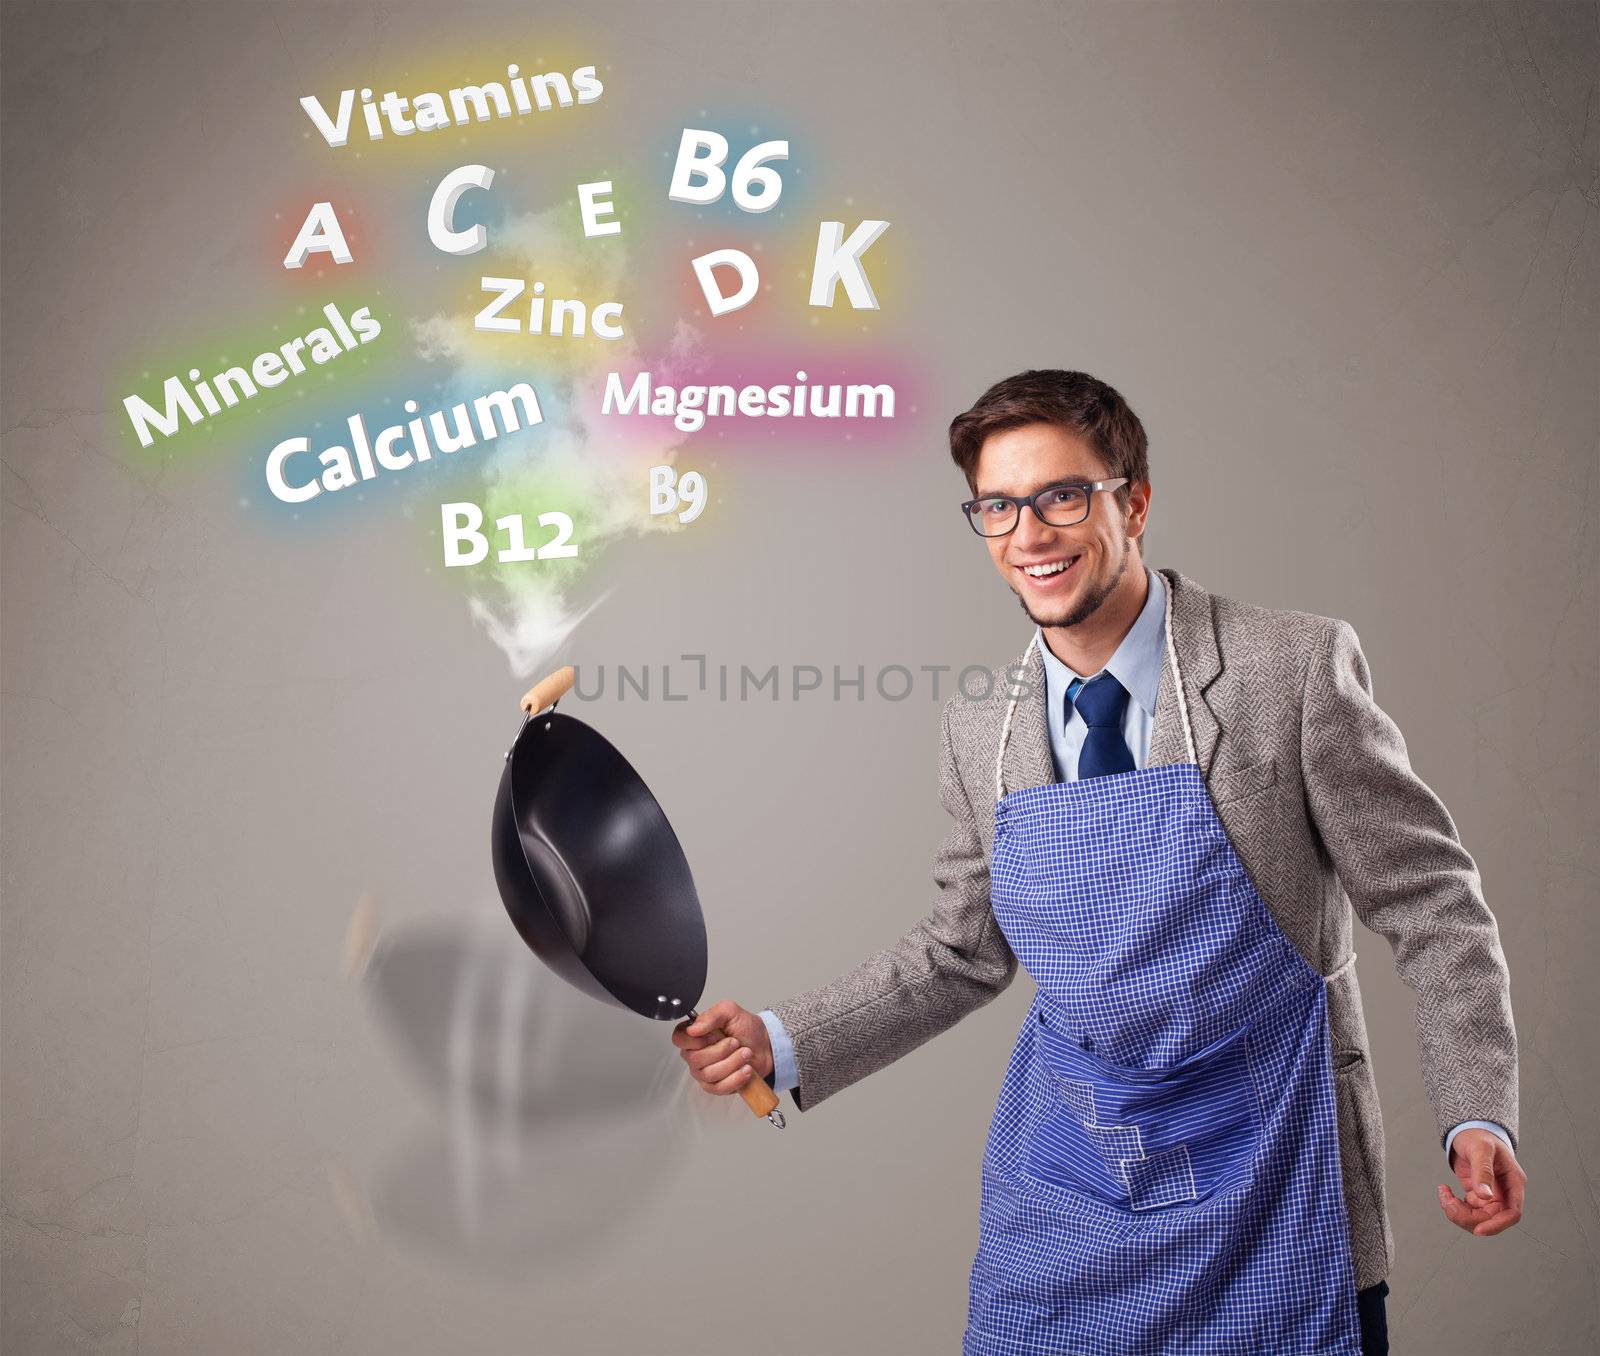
{"type": "Point", "coordinates": [593, 209]}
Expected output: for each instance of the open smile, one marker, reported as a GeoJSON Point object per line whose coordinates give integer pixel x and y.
{"type": "Point", "coordinates": [1049, 576]}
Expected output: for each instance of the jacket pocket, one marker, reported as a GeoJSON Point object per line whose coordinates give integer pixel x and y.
{"type": "Point", "coordinates": [1361, 1148]}
{"type": "Point", "coordinates": [1233, 781]}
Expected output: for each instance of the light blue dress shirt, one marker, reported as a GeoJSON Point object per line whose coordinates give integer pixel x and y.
{"type": "Point", "coordinates": [1136, 664]}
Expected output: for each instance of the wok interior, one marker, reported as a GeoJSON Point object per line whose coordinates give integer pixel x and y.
{"type": "Point", "coordinates": [604, 877]}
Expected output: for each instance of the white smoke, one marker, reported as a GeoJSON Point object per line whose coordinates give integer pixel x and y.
{"type": "Point", "coordinates": [529, 609]}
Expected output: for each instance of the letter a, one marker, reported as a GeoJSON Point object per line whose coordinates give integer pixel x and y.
{"type": "Point", "coordinates": [320, 233]}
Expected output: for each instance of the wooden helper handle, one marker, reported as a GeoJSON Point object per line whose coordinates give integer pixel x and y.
{"type": "Point", "coordinates": [548, 690]}
{"type": "Point", "coordinates": [757, 1093]}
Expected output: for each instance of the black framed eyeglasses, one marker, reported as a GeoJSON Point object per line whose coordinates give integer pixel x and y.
{"type": "Point", "coordinates": [1058, 505]}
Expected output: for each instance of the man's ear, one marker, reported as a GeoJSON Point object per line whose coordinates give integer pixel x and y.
{"type": "Point", "coordinates": [1138, 511]}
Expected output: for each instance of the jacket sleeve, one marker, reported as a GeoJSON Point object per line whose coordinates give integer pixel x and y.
{"type": "Point", "coordinates": [1400, 861]}
{"type": "Point", "coordinates": [951, 962]}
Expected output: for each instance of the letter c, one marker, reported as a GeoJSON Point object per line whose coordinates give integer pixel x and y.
{"type": "Point", "coordinates": [442, 210]}
{"type": "Point", "coordinates": [290, 494]}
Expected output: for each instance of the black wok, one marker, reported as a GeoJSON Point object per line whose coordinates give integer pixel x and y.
{"type": "Point", "coordinates": [593, 876]}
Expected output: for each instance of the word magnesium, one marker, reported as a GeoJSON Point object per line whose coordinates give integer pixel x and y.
{"type": "Point", "coordinates": [690, 406]}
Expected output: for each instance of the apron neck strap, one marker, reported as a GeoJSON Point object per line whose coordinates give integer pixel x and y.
{"type": "Point", "coordinates": [1005, 730]}
{"type": "Point", "coordinates": [1177, 686]}
{"type": "Point", "coordinates": [1177, 681]}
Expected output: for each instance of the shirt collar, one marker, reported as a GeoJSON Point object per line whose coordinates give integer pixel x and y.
{"type": "Point", "coordinates": [1136, 664]}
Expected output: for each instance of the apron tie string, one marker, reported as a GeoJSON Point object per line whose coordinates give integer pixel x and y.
{"type": "Point", "coordinates": [1344, 965]}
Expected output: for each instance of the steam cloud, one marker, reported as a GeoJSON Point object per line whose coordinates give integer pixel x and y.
{"type": "Point", "coordinates": [528, 609]}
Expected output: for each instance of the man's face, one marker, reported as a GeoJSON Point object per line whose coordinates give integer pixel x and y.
{"type": "Point", "coordinates": [1097, 551]}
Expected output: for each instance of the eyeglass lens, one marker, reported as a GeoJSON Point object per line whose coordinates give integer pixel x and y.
{"type": "Point", "coordinates": [1060, 506]}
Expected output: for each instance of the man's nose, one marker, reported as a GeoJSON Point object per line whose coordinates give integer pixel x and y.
{"type": "Point", "coordinates": [1031, 530]}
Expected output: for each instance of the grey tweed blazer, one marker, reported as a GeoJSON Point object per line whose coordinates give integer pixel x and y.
{"type": "Point", "coordinates": [1313, 786]}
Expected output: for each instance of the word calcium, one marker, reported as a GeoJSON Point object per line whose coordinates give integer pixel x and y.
{"type": "Point", "coordinates": [490, 416]}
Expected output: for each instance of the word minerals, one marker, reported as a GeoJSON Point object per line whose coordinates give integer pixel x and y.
{"type": "Point", "coordinates": [234, 384]}
{"type": "Point", "coordinates": [490, 415]}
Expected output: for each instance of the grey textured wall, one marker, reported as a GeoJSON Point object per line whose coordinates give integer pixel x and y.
{"type": "Point", "coordinates": [1342, 259]}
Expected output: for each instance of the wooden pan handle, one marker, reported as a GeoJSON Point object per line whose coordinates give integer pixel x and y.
{"type": "Point", "coordinates": [548, 690]}
{"type": "Point", "coordinates": [757, 1093]}
{"type": "Point", "coordinates": [759, 1096]}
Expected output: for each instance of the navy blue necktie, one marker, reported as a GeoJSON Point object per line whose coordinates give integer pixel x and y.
{"type": "Point", "coordinates": [1101, 702]}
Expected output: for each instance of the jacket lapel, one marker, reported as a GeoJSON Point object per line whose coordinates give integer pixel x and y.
{"type": "Point", "coordinates": [1027, 756]}
{"type": "Point", "coordinates": [1194, 637]}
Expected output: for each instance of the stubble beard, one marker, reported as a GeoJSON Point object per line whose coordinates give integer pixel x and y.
{"type": "Point", "coordinates": [1091, 602]}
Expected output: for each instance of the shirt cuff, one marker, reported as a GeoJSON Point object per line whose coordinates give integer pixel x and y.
{"type": "Point", "coordinates": [1494, 1128]}
{"type": "Point", "coordinates": [784, 1073]}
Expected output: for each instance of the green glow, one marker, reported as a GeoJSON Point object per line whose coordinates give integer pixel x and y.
{"type": "Point", "coordinates": [238, 346]}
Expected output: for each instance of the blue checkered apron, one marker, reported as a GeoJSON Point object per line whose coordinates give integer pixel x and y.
{"type": "Point", "coordinates": [1162, 1171]}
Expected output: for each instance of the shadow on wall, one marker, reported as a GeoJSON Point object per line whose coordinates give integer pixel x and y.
{"type": "Point", "coordinates": [559, 1117]}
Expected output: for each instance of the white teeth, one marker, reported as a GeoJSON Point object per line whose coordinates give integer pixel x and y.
{"type": "Point", "coordinates": [1039, 571]}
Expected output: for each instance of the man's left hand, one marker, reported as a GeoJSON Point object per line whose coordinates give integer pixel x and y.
{"type": "Point", "coordinates": [1491, 1179]}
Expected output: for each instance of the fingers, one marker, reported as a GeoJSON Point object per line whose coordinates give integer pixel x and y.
{"type": "Point", "coordinates": [1498, 1223]}
{"type": "Point", "coordinates": [718, 1014]}
{"type": "Point", "coordinates": [717, 1060]}
{"type": "Point", "coordinates": [684, 1041]}
{"type": "Point", "coordinates": [1483, 1215]}
{"type": "Point", "coordinates": [707, 1028]}
{"type": "Point", "coordinates": [722, 1067]}
{"type": "Point", "coordinates": [733, 1082]}
{"type": "Point", "coordinates": [728, 1073]}
{"type": "Point", "coordinates": [711, 1045]}
{"type": "Point", "coordinates": [1516, 1179]}
{"type": "Point", "coordinates": [1506, 1208]}
{"type": "Point", "coordinates": [1479, 1178]}
{"type": "Point", "coordinates": [1466, 1211]}
{"type": "Point", "coordinates": [1462, 1213]}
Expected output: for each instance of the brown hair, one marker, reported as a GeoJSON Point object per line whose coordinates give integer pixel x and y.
{"type": "Point", "coordinates": [1074, 400]}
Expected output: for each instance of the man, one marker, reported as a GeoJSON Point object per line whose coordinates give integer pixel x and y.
{"type": "Point", "coordinates": [1166, 817]}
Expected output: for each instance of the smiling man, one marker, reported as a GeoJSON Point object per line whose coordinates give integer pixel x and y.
{"type": "Point", "coordinates": [1167, 822]}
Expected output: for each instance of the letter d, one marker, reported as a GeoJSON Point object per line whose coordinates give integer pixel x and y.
{"type": "Point", "coordinates": [749, 279]}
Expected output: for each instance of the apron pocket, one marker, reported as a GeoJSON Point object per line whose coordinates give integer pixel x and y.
{"type": "Point", "coordinates": [1144, 1139]}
